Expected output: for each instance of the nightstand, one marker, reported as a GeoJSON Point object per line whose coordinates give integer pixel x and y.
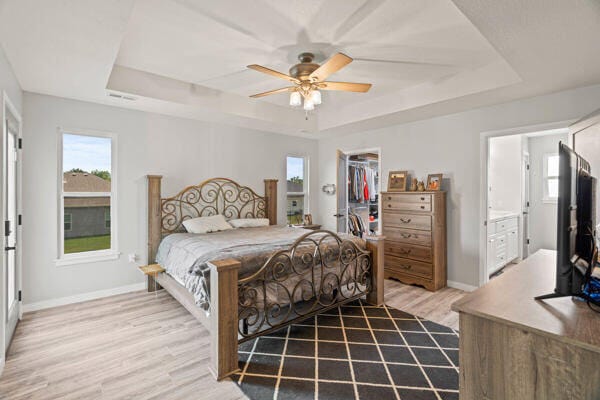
{"type": "Point", "coordinates": [312, 227]}
{"type": "Point", "coordinates": [151, 271]}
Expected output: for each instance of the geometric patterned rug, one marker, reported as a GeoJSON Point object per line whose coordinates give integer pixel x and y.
{"type": "Point", "coordinates": [353, 352]}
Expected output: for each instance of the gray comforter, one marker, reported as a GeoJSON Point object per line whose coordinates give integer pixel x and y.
{"type": "Point", "coordinates": [185, 255]}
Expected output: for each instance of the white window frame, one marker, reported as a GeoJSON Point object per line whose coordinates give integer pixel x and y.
{"type": "Point", "coordinates": [305, 183]}
{"type": "Point", "coordinates": [96, 255]}
{"type": "Point", "coordinates": [546, 197]}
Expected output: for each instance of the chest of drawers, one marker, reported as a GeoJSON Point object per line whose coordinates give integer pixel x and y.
{"type": "Point", "coordinates": [414, 224]}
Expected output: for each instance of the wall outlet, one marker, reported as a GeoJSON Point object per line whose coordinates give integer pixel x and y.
{"type": "Point", "coordinates": [133, 257]}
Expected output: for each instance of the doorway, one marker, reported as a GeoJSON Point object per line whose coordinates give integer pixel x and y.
{"type": "Point", "coordinates": [11, 208]}
{"type": "Point", "coordinates": [521, 196]}
{"type": "Point", "coordinates": [358, 205]}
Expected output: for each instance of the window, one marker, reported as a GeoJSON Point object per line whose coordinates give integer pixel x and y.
{"type": "Point", "coordinates": [107, 218]}
{"type": "Point", "coordinates": [297, 189]}
{"type": "Point", "coordinates": [68, 222]}
{"type": "Point", "coordinates": [550, 177]}
{"type": "Point", "coordinates": [87, 197]}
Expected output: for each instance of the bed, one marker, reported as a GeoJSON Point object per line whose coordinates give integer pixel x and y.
{"type": "Point", "coordinates": [247, 282]}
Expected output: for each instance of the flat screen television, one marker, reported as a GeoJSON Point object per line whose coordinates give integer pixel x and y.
{"type": "Point", "coordinates": [576, 232]}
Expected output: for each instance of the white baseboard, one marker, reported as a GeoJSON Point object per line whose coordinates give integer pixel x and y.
{"type": "Point", "coordinates": [461, 286]}
{"type": "Point", "coordinates": [78, 298]}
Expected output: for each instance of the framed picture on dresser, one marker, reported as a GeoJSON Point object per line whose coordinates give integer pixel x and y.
{"type": "Point", "coordinates": [434, 181]}
{"type": "Point", "coordinates": [397, 181]}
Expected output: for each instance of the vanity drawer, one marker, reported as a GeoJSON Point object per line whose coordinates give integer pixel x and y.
{"type": "Point", "coordinates": [407, 266]}
{"type": "Point", "coordinates": [410, 236]}
{"type": "Point", "coordinates": [506, 224]}
{"type": "Point", "coordinates": [410, 221]}
{"type": "Point", "coordinates": [398, 249]}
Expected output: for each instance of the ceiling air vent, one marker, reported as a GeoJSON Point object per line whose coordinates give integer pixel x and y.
{"type": "Point", "coordinates": [121, 96]}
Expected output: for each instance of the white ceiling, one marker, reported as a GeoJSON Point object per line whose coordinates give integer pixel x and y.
{"type": "Point", "coordinates": [187, 57]}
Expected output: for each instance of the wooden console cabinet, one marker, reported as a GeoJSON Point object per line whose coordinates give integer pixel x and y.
{"type": "Point", "coordinates": [514, 347]}
{"type": "Point", "coordinates": [414, 224]}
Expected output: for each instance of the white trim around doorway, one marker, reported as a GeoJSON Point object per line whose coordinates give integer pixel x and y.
{"type": "Point", "coordinates": [484, 138]}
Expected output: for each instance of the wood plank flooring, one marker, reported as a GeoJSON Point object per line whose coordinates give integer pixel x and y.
{"type": "Point", "coordinates": [142, 346]}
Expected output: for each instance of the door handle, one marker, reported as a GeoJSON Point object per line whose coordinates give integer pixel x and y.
{"type": "Point", "coordinates": [8, 248]}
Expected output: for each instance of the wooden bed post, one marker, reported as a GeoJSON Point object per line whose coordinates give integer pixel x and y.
{"type": "Point", "coordinates": [375, 246]}
{"type": "Point", "coordinates": [154, 224]}
{"type": "Point", "coordinates": [271, 196]}
{"type": "Point", "coordinates": [224, 317]}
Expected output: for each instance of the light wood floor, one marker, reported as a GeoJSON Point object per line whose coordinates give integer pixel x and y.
{"type": "Point", "coordinates": [142, 346]}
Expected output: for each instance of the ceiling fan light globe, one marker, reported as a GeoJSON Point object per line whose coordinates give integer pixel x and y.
{"type": "Point", "coordinates": [295, 99]}
{"type": "Point", "coordinates": [308, 105]}
{"type": "Point", "coordinates": [315, 96]}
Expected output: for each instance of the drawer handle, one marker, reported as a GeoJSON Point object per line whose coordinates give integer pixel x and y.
{"type": "Point", "coordinates": [389, 197]}
{"type": "Point", "coordinates": [406, 235]}
{"type": "Point", "coordinates": [406, 266]}
{"type": "Point", "coordinates": [423, 198]}
{"type": "Point", "coordinates": [405, 251]}
{"type": "Point", "coordinates": [406, 221]}
{"type": "Point", "coordinates": [389, 205]}
{"type": "Point", "coordinates": [422, 207]}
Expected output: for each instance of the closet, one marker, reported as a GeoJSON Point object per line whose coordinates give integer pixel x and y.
{"type": "Point", "coordinates": [358, 206]}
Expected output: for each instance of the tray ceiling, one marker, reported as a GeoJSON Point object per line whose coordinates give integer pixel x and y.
{"type": "Point", "coordinates": [188, 57]}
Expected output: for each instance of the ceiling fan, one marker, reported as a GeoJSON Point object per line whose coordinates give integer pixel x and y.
{"type": "Point", "coordinates": [308, 80]}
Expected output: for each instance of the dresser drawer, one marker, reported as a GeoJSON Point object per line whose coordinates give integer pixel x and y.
{"type": "Point", "coordinates": [406, 198]}
{"type": "Point", "coordinates": [407, 266]}
{"type": "Point", "coordinates": [409, 221]}
{"type": "Point", "coordinates": [399, 249]}
{"type": "Point", "coordinates": [410, 236]}
{"type": "Point", "coordinates": [392, 205]}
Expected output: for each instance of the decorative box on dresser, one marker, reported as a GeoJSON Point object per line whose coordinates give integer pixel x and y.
{"type": "Point", "coordinates": [414, 224]}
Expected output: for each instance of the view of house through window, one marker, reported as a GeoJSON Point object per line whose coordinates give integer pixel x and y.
{"type": "Point", "coordinates": [297, 189]}
{"type": "Point", "coordinates": [86, 193]}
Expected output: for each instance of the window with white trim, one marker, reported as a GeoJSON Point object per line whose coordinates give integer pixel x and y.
{"type": "Point", "coordinates": [68, 221]}
{"type": "Point", "coordinates": [297, 188]}
{"type": "Point", "coordinates": [550, 177]}
{"type": "Point", "coordinates": [87, 197]}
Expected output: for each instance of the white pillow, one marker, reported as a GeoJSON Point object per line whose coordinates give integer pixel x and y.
{"type": "Point", "coordinates": [249, 222]}
{"type": "Point", "coordinates": [214, 223]}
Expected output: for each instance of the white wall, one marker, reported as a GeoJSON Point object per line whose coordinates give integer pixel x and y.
{"type": "Point", "coordinates": [542, 215]}
{"type": "Point", "coordinates": [504, 178]}
{"type": "Point", "coordinates": [451, 145]}
{"type": "Point", "coordinates": [9, 86]}
{"type": "Point", "coordinates": [183, 151]}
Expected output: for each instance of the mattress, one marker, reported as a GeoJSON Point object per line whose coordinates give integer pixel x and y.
{"type": "Point", "coordinates": [185, 256]}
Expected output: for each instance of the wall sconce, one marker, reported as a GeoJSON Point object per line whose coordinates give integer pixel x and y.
{"type": "Point", "coordinates": [329, 188]}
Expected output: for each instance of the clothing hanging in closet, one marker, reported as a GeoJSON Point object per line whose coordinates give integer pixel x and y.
{"type": "Point", "coordinates": [361, 183]}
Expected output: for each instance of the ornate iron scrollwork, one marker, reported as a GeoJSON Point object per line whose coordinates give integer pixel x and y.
{"type": "Point", "coordinates": [211, 197]}
{"type": "Point", "coordinates": [319, 271]}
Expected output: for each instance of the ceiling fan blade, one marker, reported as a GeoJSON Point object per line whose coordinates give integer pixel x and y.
{"type": "Point", "coordinates": [345, 86]}
{"type": "Point", "coordinates": [330, 66]}
{"type": "Point", "coordinates": [271, 72]}
{"type": "Point", "coordinates": [285, 89]}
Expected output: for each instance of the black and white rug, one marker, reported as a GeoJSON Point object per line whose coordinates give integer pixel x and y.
{"type": "Point", "coordinates": [353, 352]}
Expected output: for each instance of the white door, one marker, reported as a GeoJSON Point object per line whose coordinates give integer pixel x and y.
{"type": "Point", "coordinates": [342, 192]}
{"type": "Point", "coordinates": [525, 206]}
{"type": "Point", "coordinates": [12, 276]}
{"type": "Point", "coordinates": [491, 254]}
